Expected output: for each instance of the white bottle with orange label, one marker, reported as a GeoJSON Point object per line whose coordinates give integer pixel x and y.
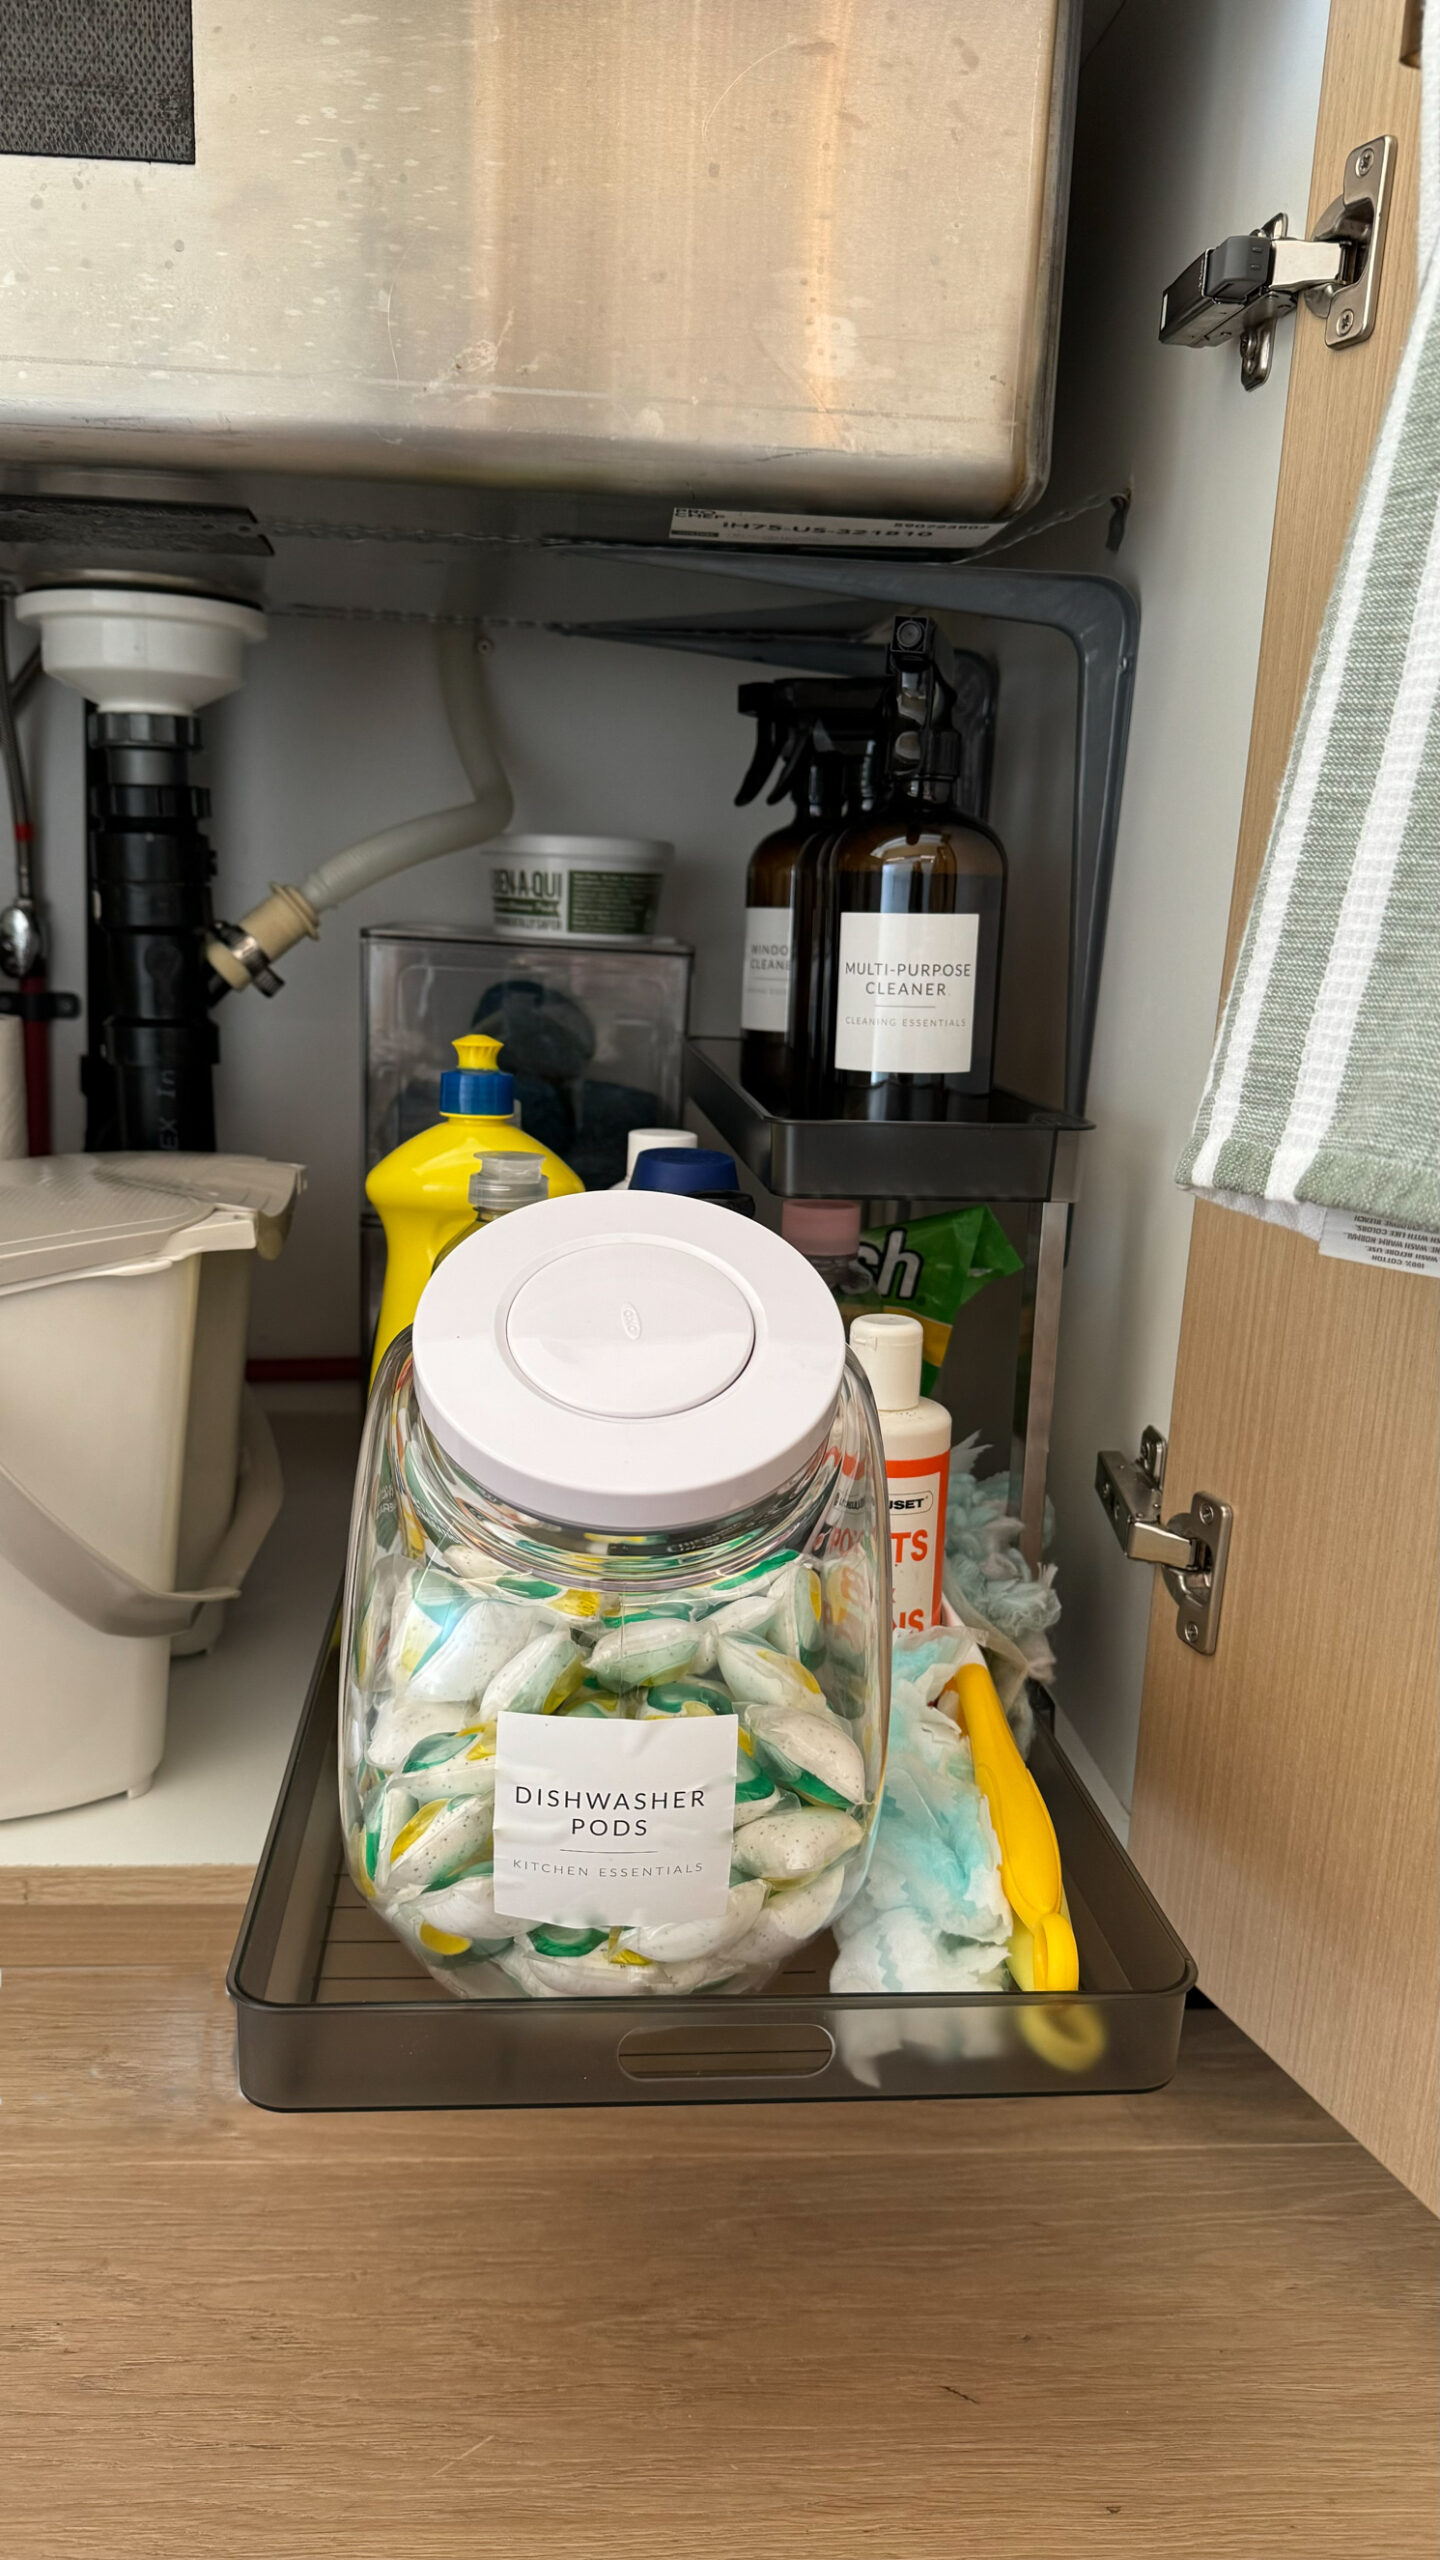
{"type": "Point", "coordinates": [916, 1432]}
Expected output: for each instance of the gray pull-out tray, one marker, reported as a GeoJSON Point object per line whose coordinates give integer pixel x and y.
{"type": "Point", "coordinates": [333, 2012]}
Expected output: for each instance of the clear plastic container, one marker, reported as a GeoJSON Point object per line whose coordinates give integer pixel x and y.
{"type": "Point", "coordinates": [616, 1647]}
{"type": "Point", "coordinates": [593, 1034]}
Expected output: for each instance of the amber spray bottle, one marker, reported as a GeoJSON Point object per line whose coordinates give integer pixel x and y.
{"type": "Point", "coordinates": [771, 880]}
{"type": "Point", "coordinates": [913, 898]}
{"type": "Point", "coordinates": [816, 732]}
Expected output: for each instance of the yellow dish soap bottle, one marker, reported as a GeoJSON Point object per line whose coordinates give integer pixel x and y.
{"type": "Point", "coordinates": [422, 1191]}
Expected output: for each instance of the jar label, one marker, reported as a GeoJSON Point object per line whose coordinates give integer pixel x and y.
{"type": "Point", "coordinates": [918, 1489]}
{"type": "Point", "coordinates": [905, 1002]}
{"type": "Point", "coordinates": [613, 901]}
{"type": "Point", "coordinates": [607, 1826]}
{"type": "Point", "coordinates": [528, 894]}
{"type": "Point", "coordinates": [765, 978]}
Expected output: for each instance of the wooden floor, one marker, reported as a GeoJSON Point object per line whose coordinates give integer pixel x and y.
{"type": "Point", "coordinates": [1198, 2324]}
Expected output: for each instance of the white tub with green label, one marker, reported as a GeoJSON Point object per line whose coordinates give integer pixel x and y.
{"type": "Point", "coordinates": [577, 888]}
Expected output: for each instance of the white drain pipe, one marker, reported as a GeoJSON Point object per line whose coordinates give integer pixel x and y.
{"type": "Point", "coordinates": [144, 649]}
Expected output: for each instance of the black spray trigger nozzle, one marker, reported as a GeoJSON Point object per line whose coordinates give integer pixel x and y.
{"type": "Point", "coordinates": [757, 772]}
{"type": "Point", "coordinates": [759, 702]}
{"type": "Point", "coordinates": [922, 744]}
{"type": "Point", "coordinates": [794, 754]}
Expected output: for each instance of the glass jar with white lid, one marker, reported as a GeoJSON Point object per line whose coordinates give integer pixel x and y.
{"type": "Point", "coordinates": [616, 1642]}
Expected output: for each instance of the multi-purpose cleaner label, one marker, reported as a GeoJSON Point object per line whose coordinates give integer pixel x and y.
{"type": "Point", "coordinates": [918, 1488]}
{"type": "Point", "coordinates": [606, 1826]}
{"type": "Point", "coordinates": [765, 978]}
{"type": "Point", "coordinates": [905, 1003]}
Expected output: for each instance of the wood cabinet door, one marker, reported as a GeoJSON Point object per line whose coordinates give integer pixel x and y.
{"type": "Point", "coordinates": [1285, 1806]}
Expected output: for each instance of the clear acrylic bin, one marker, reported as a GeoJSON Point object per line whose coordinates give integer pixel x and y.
{"type": "Point", "coordinates": [594, 1035]}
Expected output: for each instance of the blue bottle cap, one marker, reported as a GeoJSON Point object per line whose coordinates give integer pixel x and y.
{"type": "Point", "coordinates": [690, 1170]}
{"type": "Point", "coordinates": [486, 1091]}
{"type": "Point", "coordinates": [477, 1087]}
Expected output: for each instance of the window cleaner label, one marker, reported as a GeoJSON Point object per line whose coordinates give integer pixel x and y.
{"type": "Point", "coordinates": [765, 977]}
{"type": "Point", "coordinates": [918, 1489]}
{"type": "Point", "coordinates": [606, 1826]}
{"type": "Point", "coordinates": [905, 1003]}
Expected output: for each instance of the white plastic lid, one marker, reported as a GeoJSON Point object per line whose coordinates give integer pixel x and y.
{"type": "Point", "coordinates": [890, 1350]}
{"type": "Point", "coordinates": [267, 1184]}
{"type": "Point", "coordinates": [638, 1141]}
{"type": "Point", "coordinates": [72, 1217]}
{"type": "Point", "coordinates": [627, 1360]}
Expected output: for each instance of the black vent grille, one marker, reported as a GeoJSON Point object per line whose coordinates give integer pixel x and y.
{"type": "Point", "coordinates": [97, 79]}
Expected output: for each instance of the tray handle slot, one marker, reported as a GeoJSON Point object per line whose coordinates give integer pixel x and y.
{"type": "Point", "coordinates": [788, 2050]}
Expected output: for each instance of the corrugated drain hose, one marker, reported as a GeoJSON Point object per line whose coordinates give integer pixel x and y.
{"type": "Point", "coordinates": [241, 955]}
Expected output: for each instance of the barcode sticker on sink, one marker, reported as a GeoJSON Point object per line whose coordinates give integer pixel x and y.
{"type": "Point", "coordinates": [606, 1826]}
{"type": "Point", "coordinates": [767, 526]}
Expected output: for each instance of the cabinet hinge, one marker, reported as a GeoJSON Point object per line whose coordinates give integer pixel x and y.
{"type": "Point", "coordinates": [1192, 1548]}
{"type": "Point", "coordinates": [1242, 287]}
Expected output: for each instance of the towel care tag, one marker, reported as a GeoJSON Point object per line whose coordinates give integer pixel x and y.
{"type": "Point", "coordinates": [1354, 1235]}
{"type": "Point", "coordinates": [609, 1826]}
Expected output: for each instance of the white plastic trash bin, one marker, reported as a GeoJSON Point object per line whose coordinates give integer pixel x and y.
{"type": "Point", "coordinates": [120, 1452]}
{"type": "Point", "coordinates": [227, 1437]}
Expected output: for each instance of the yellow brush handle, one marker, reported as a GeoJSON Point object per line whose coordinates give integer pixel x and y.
{"type": "Point", "coordinates": [1044, 1959]}
{"type": "Point", "coordinates": [1029, 1852]}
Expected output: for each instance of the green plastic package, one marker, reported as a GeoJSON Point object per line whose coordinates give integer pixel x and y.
{"type": "Point", "coordinates": [931, 1268]}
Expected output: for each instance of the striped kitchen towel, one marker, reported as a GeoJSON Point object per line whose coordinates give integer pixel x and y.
{"type": "Point", "coordinates": [1324, 1089]}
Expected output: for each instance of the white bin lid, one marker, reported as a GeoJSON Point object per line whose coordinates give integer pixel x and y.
{"type": "Point", "coordinates": [69, 1217]}
{"type": "Point", "coordinates": [627, 1360]}
{"type": "Point", "coordinates": [263, 1183]}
